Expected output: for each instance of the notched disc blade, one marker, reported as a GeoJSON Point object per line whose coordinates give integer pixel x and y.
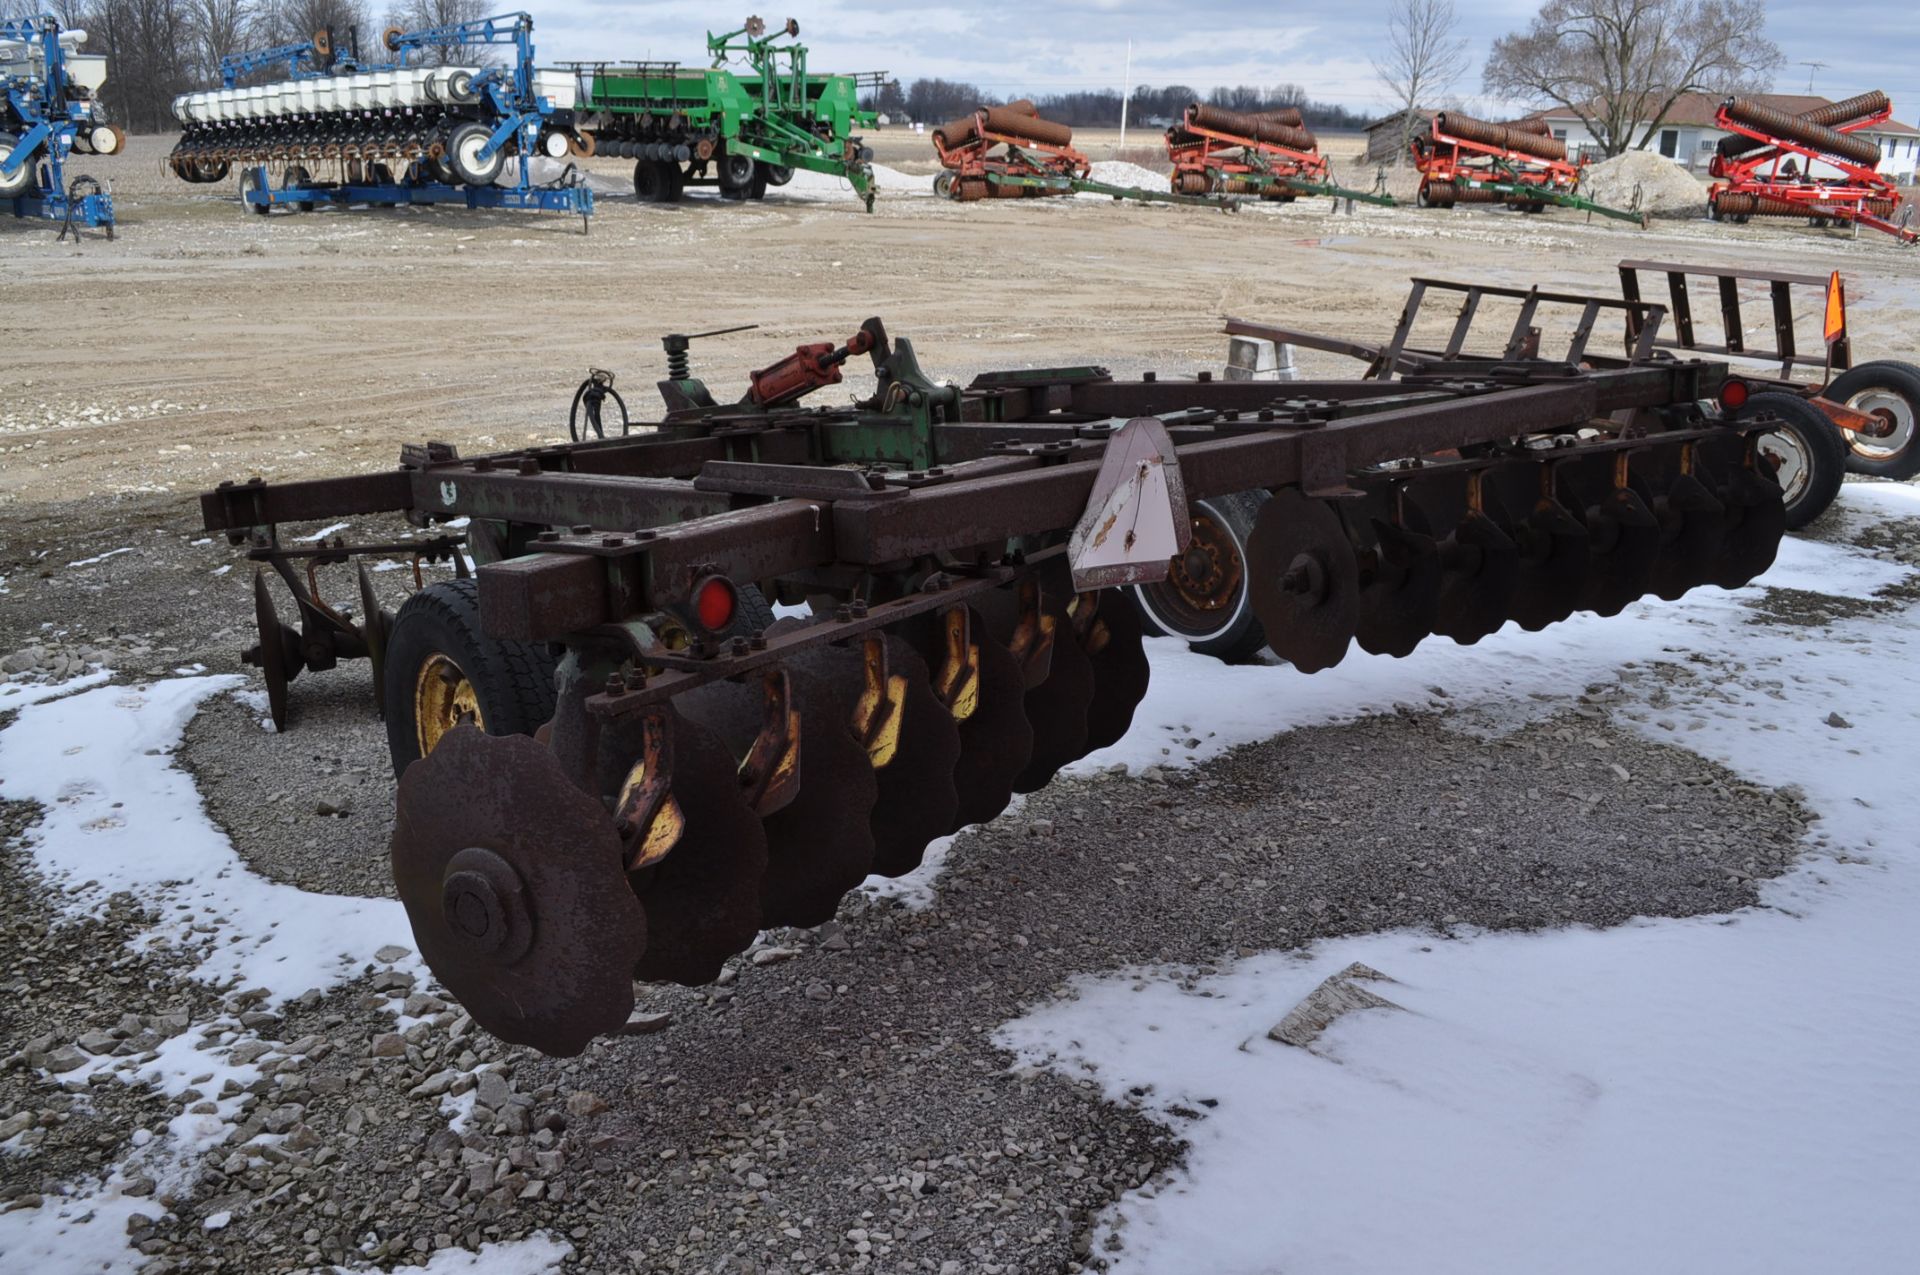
{"type": "Point", "coordinates": [1755, 512]}
{"type": "Point", "coordinates": [996, 740]}
{"type": "Point", "coordinates": [1400, 593]}
{"type": "Point", "coordinates": [1479, 572]}
{"type": "Point", "coordinates": [512, 878]}
{"type": "Point", "coordinates": [1693, 528]}
{"type": "Point", "coordinates": [1623, 542]}
{"type": "Point", "coordinates": [375, 624]}
{"type": "Point", "coordinates": [1113, 644]}
{"type": "Point", "coordinates": [278, 654]}
{"type": "Point", "coordinates": [703, 899]}
{"type": "Point", "coordinates": [1057, 707]}
{"type": "Point", "coordinates": [1304, 580]}
{"type": "Point", "coordinates": [1552, 545]}
{"type": "Point", "coordinates": [916, 797]}
{"type": "Point", "coordinates": [819, 845]}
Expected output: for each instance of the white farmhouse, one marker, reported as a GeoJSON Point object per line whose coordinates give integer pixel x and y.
{"type": "Point", "coordinates": [1688, 136]}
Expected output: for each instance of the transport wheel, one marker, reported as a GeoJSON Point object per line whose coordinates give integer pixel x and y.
{"type": "Point", "coordinates": [649, 181]}
{"type": "Point", "coordinates": [22, 177]}
{"type": "Point", "coordinates": [251, 179]}
{"type": "Point", "coordinates": [1808, 453]}
{"type": "Point", "coordinates": [293, 177]}
{"type": "Point", "coordinates": [441, 671]}
{"type": "Point", "coordinates": [943, 185]}
{"type": "Point", "coordinates": [735, 171]}
{"type": "Point", "coordinates": [463, 153]}
{"type": "Point", "coordinates": [1204, 597]}
{"type": "Point", "coordinates": [676, 182]}
{"type": "Point", "coordinates": [757, 188]}
{"type": "Point", "coordinates": [1891, 391]}
{"type": "Point", "coordinates": [777, 174]}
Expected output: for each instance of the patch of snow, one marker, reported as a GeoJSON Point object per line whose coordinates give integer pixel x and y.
{"type": "Point", "coordinates": [1712, 1093]}
{"type": "Point", "coordinates": [537, 1254]}
{"type": "Point", "coordinates": [111, 553]}
{"type": "Point", "coordinates": [18, 694]}
{"type": "Point", "coordinates": [121, 815]}
{"type": "Point", "coordinates": [1118, 172]}
{"type": "Point", "coordinates": [322, 534]}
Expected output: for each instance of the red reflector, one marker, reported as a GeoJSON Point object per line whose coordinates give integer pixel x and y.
{"type": "Point", "coordinates": [1734, 394]}
{"type": "Point", "coordinates": [713, 603]}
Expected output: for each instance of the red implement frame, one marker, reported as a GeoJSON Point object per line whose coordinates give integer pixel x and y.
{"type": "Point", "coordinates": [1765, 176]}
{"type": "Point", "coordinates": [1207, 160]}
{"type": "Point", "coordinates": [974, 165]}
{"type": "Point", "coordinates": [1445, 160]}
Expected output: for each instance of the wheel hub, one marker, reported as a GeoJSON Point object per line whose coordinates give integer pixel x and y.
{"type": "Point", "coordinates": [443, 698]}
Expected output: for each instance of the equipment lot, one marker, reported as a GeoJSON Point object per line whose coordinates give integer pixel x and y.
{"type": "Point", "coordinates": [844, 1101]}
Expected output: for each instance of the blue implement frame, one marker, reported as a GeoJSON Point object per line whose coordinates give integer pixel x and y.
{"type": "Point", "coordinates": [53, 120]}
{"type": "Point", "coordinates": [508, 90]}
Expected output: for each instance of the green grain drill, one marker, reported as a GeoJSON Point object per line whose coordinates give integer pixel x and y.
{"type": "Point", "coordinates": [741, 131]}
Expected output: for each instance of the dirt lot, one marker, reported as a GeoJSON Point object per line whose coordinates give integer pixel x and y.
{"type": "Point", "coordinates": [840, 1104]}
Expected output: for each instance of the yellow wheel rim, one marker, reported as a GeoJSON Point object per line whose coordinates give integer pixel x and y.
{"type": "Point", "coordinates": [443, 698]}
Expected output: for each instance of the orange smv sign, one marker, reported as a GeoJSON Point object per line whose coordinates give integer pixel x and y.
{"type": "Point", "coordinates": [1836, 326]}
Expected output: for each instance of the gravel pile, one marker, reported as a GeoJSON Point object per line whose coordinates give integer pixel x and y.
{"type": "Point", "coordinates": [1645, 181]}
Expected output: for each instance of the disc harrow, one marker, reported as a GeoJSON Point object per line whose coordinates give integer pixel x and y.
{"type": "Point", "coordinates": [632, 769]}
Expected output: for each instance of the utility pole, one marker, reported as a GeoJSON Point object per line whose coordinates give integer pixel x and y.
{"type": "Point", "coordinates": [1126, 92]}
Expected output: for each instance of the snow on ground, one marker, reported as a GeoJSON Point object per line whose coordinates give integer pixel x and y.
{"type": "Point", "coordinates": [119, 816]}
{"type": "Point", "coordinates": [535, 1255]}
{"type": "Point", "coordinates": [1728, 1093]}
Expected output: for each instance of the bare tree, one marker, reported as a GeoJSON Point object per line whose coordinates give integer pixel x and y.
{"type": "Point", "coordinates": [220, 29]}
{"type": "Point", "coordinates": [1423, 58]}
{"type": "Point", "coordinates": [425, 15]}
{"type": "Point", "coordinates": [1616, 64]}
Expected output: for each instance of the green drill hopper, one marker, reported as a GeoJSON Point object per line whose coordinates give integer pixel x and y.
{"type": "Point", "coordinates": [739, 131]}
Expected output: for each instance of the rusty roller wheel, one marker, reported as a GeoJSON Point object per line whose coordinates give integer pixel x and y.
{"type": "Point", "coordinates": [1304, 580]}
{"type": "Point", "coordinates": [910, 741]}
{"type": "Point", "coordinates": [979, 682]}
{"type": "Point", "coordinates": [1479, 563]}
{"type": "Point", "coordinates": [818, 830]}
{"type": "Point", "coordinates": [1623, 536]}
{"type": "Point", "coordinates": [277, 654]}
{"type": "Point", "coordinates": [1693, 525]}
{"type": "Point", "coordinates": [511, 877]}
{"type": "Point", "coordinates": [1551, 543]}
{"type": "Point", "coordinates": [1755, 514]}
{"type": "Point", "coordinates": [1399, 576]}
{"type": "Point", "coordinates": [694, 851]}
{"type": "Point", "coordinates": [1036, 629]}
{"type": "Point", "coordinates": [375, 625]}
{"type": "Point", "coordinates": [1107, 627]}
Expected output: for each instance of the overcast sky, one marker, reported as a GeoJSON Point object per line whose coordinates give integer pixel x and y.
{"type": "Point", "coordinates": [1044, 46]}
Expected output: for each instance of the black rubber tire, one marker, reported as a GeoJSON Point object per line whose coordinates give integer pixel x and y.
{"type": "Point", "coordinates": [753, 614]}
{"type": "Point", "coordinates": [757, 188]}
{"type": "Point", "coordinates": [1892, 377]}
{"type": "Point", "coordinates": [250, 180]}
{"type": "Point", "coordinates": [512, 680]}
{"type": "Point", "coordinates": [676, 182]}
{"type": "Point", "coordinates": [649, 181]}
{"type": "Point", "coordinates": [777, 174]}
{"type": "Point", "coordinates": [1821, 450]}
{"type": "Point", "coordinates": [297, 176]}
{"type": "Point", "coordinates": [22, 178]}
{"type": "Point", "coordinates": [1241, 636]}
{"type": "Point", "coordinates": [473, 174]}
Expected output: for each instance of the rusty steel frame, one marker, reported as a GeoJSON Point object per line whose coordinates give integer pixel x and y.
{"type": "Point", "coordinates": [576, 540]}
{"type": "Point", "coordinates": [1396, 356]}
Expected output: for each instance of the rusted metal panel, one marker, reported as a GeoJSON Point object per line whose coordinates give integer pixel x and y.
{"type": "Point", "coordinates": [237, 506]}
{"type": "Point", "coordinates": [542, 597]}
{"type": "Point", "coordinates": [559, 499]}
